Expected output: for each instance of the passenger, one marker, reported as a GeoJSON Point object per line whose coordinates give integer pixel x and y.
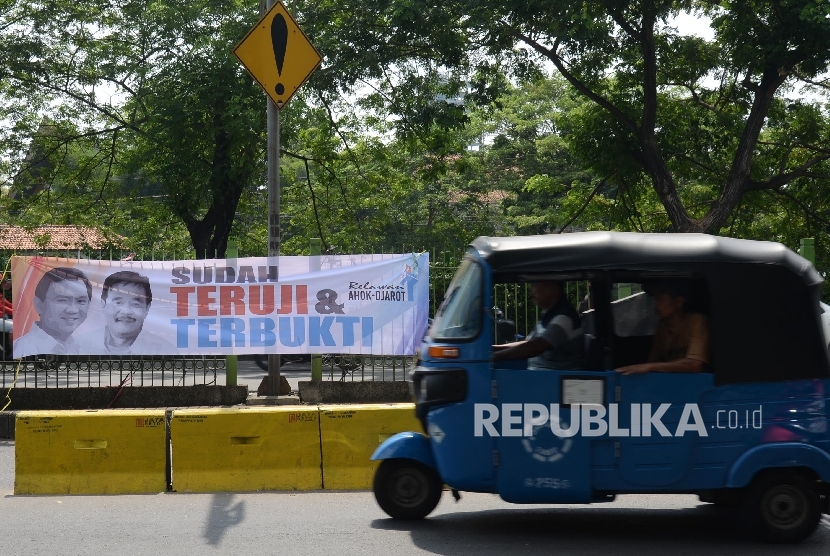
{"type": "Point", "coordinates": [557, 341]}
{"type": "Point", "coordinates": [681, 343]}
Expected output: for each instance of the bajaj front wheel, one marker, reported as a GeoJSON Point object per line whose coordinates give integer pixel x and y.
{"type": "Point", "coordinates": [407, 489]}
{"type": "Point", "coordinates": [782, 507]}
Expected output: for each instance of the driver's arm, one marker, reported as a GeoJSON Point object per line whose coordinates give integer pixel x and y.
{"type": "Point", "coordinates": [521, 350]}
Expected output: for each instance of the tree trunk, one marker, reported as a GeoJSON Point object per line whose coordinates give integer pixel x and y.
{"type": "Point", "coordinates": [661, 177]}
{"type": "Point", "coordinates": [662, 180]}
{"type": "Point", "coordinates": [210, 234]}
{"type": "Point", "coordinates": [663, 183]}
{"type": "Point", "coordinates": [738, 179]}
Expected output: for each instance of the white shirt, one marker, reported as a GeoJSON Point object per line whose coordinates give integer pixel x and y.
{"type": "Point", "coordinates": [36, 341]}
{"type": "Point", "coordinates": [146, 343]}
{"type": "Point", "coordinates": [566, 343]}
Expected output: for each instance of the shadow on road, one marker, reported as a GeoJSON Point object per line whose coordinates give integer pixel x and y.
{"type": "Point", "coordinates": [700, 531]}
{"type": "Point", "coordinates": [223, 515]}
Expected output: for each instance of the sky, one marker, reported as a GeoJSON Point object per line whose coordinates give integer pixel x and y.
{"type": "Point", "coordinates": [688, 24]}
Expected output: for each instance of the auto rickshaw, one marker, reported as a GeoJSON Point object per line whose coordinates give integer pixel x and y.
{"type": "Point", "coordinates": [751, 431]}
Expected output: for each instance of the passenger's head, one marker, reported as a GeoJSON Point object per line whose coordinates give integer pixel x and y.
{"type": "Point", "coordinates": [126, 298]}
{"type": "Point", "coordinates": [62, 301]}
{"type": "Point", "coordinates": [547, 293]}
{"type": "Point", "coordinates": [669, 297]}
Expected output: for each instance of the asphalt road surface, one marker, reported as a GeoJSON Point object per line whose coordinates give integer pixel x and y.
{"type": "Point", "coordinates": [346, 523]}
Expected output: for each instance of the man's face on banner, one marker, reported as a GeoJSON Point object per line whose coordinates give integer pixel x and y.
{"type": "Point", "coordinates": [64, 309]}
{"type": "Point", "coordinates": [125, 309]}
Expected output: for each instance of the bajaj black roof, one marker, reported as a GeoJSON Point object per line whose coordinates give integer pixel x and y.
{"type": "Point", "coordinates": [764, 314]}
{"type": "Point", "coordinates": [624, 250]}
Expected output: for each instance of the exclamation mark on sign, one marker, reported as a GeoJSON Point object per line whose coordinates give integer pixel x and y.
{"type": "Point", "coordinates": [279, 40]}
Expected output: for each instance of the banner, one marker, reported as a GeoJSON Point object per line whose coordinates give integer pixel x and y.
{"type": "Point", "coordinates": [357, 304]}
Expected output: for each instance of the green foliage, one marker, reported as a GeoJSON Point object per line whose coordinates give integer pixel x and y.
{"type": "Point", "coordinates": [683, 113]}
{"type": "Point", "coordinates": [135, 108]}
{"type": "Point", "coordinates": [363, 193]}
{"type": "Point", "coordinates": [202, 143]}
{"type": "Point", "coordinates": [134, 116]}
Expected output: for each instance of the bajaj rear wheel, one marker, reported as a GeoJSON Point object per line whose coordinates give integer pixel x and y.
{"type": "Point", "coordinates": [407, 489]}
{"type": "Point", "coordinates": [782, 507]}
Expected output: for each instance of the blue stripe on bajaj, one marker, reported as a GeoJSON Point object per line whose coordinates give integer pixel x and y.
{"type": "Point", "coordinates": [535, 465]}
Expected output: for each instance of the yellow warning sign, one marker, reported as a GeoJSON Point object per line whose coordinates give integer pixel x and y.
{"type": "Point", "coordinates": [278, 55]}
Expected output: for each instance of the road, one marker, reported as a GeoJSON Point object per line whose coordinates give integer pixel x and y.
{"type": "Point", "coordinates": [346, 523]}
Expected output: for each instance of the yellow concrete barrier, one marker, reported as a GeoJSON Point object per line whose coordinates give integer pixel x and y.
{"type": "Point", "coordinates": [246, 449]}
{"type": "Point", "coordinates": [90, 452]}
{"type": "Point", "coordinates": [349, 435]}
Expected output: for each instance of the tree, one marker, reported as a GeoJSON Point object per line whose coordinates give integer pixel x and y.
{"type": "Point", "coordinates": [655, 131]}
{"type": "Point", "coordinates": [543, 186]}
{"type": "Point", "coordinates": [360, 191]}
{"type": "Point", "coordinates": [112, 75]}
{"type": "Point", "coordinates": [180, 119]}
{"type": "Point", "coordinates": [202, 141]}
{"type": "Point", "coordinates": [702, 146]}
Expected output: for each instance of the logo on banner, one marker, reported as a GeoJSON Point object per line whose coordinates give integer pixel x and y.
{"type": "Point", "coordinates": [403, 291]}
{"type": "Point", "coordinates": [409, 280]}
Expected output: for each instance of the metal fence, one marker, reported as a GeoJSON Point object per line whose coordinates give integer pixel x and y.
{"type": "Point", "coordinates": [357, 368]}
{"type": "Point", "coordinates": [96, 371]}
{"type": "Point", "coordinates": [50, 371]}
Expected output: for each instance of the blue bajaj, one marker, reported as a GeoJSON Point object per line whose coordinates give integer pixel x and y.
{"type": "Point", "coordinates": [749, 431]}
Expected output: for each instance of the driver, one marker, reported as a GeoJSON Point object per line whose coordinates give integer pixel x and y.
{"type": "Point", "coordinates": [557, 342]}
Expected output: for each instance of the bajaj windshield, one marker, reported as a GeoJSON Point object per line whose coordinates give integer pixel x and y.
{"type": "Point", "coordinates": [460, 314]}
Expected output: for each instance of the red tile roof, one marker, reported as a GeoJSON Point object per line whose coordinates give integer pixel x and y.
{"type": "Point", "coordinates": [54, 237]}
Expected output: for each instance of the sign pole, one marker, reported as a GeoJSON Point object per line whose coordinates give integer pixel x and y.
{"type": "Point", "coordinates": [280, 58]}
{"type": "Point", "coordinates": [315, 248]}
{"type": "Point", "coordinates": [231, 361]}
{"type": "Point", "coordinates": [273, 213]}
